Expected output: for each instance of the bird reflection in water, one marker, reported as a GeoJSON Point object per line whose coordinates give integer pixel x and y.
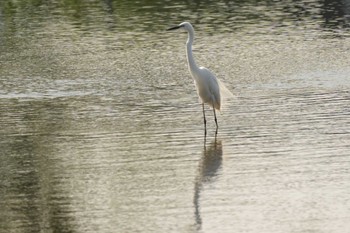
{"type": "Point", "coordinates": [209, 165]}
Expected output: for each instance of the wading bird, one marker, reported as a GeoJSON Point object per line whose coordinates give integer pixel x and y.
{"type": "Point", "coordinates": [209, 88]}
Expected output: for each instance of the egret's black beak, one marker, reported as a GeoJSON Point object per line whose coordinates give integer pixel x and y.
{"type": "Point", "coordinates": [173, 28]}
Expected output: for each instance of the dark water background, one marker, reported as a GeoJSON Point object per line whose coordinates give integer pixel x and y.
{"type": "Point", "coordinates": [101, 129]}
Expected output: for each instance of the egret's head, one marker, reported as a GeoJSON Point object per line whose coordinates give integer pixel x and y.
{"type": "Point", "coordinates": [185, 25]}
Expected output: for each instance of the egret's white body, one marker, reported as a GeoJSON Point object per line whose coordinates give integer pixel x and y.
{"type": "Point", "coordinates": [207, 87]}
{"type": "Point", "coordinates": [207, 84]}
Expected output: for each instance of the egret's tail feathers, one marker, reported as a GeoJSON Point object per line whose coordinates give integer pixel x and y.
{"type": "Point", "coordinates": [225, 94]}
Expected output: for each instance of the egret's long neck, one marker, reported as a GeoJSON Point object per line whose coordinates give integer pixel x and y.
{"type": "Point", "coordinates": [191, 63]}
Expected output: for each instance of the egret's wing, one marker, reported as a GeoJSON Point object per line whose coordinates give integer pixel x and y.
{"type": "Point", "coordinates": [207, 86]}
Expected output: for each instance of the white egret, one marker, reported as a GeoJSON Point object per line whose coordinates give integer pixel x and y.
{"type": "Point", "coordinates": [209, 88]}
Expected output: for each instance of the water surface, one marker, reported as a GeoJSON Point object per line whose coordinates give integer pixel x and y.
{"type": "Point", "coordinates": [101, 129]}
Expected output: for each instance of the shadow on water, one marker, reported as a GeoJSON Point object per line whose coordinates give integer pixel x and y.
{"type": "Point", "coordinates": [209, 165]}
{"type": "Point", "coordinates": [33, 199]}
{"type": "Point", "coordinates": [33, 196]}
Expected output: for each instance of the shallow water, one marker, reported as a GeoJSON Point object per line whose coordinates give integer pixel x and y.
{"type": "Point", "coordinates": [101, 129]}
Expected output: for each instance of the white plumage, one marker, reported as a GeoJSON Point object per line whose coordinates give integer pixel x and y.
{"type": "Point", "coordinates": [208, 86]}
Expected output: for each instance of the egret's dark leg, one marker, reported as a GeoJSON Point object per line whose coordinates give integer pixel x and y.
{"type": "Point", "coordinates": [216, 121]}
{"type": "Point", "coordinates": [205, 121]}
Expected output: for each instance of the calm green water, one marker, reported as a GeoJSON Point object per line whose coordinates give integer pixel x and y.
{"type": "Point", "coordinates": [101, 129]}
